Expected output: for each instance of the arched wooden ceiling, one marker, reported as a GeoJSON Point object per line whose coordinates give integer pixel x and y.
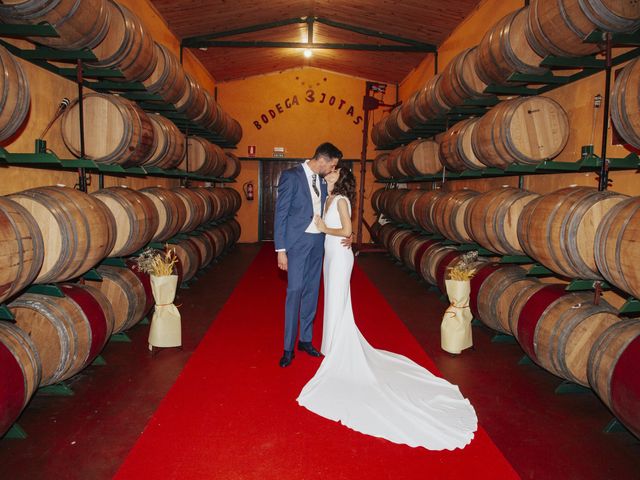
{"type": "Point", "coordinates": [428, 21]}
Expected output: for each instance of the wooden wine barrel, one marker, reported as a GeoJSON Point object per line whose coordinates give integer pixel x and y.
{"type": "Point", "coordinates": [204, 158]}
{"type": "Point", "coordinates": [375, 199]}
{"type": "Point", "coordinates": [136, 217]}
{"type": "Point", "coordinates": [422, 210]}
{"type": "Point", "coordinates": [430, 100]}
{"type": "Point", "coordinates": [126, 46]}
{"type": "Point", "coordinates": [68, 332]}
{"type": "Point", "coordinates": [558, 330]}
{"type": "Point", "coordinates": [394, 164]}
{"type": "Point", "coordinates": [223, 202]}
{"type": "Point", "coordinates": [207, 198]}
{"type": "Point", "coordinates": [169, 144]}
{"type": "Point", "coordinates": [229, 199]}
{"type": "Point", "coordinates": [448, 214]}
{"type": "Point", "coordinates": [558, 27]}
{"type": "Point", "coordinates": [390, 203]}
{"type": "Point", "coordinates": [116, 130]}
{"type": "Point", "coordinates": [189, 257]}
{"type": "Point", "coordinates": [612, 371]}
{"type": "Point", "coordinates": [23, 250]}
{"type": "Point", "coordinates": [432, 258]}
{"type": "Point", "coordinates": [171, 212]}
{"type": "Point", "coordinates": [565, 334]}
{"type": "Point", "coordinates": [98, 312]}
{"type": "Point", "coordinates": [145, 280]}
{"type": "Point", "coordinates": [492, 219]}
{"type": "Point", "coordinates": [379, 134]}
{"type": "Point", "coordinates": [406, 207]}
{"type": "Point", "coordinates": [456, 151]}
{"type": "Point", "coordinates": [395, 125]}
{"type": "Point", "coordinates": [15, 97]}
{"type": "Point", "coordinates": [398, 241]}
{"type": "Point", "coordinates": [625, 103]}
{"type": "Point", "coordinates": [460, 79]}
{"type": "Point", "coordinates": [195, 208]}
{"type": "Point", "coordinates": [79, 23]}
{"type": "Point", "coordinates": [77, 230]}
{"type": "Point", "coordinates": [385, 233]}
{"type": "Point", "coordinates": [504, 50]}
{"type": "Point", "coordinates": [234, 226]}
{"type": "Point", "coordinates": [218, 240]}
{"type": "Point", "coordinates": [193, 102]}
{"type": "Point", "coordinates": [379, 167]}
{"type": "Point", "coordinates": [234, 131]}
{"type": "Point", "coordinates": [168, 78]}
{"type": "Point", "coordinates": [421, 157]}
{"type": "Point", "coordinates": [126, 292]}
{"type": "Point", "coordinates": [559, 229]}
{"type": "Point", "coordinates": [613, 15]}
{"type": "Point", "coordinates": [616, 245]}
{"type": "Point", "coordinates": [493, 289]}
{"type": "Point", "coordinates": [206, 248]}
{"type": "Point", "coordinates": [414, 249]}
{"type": "Point", "coordinates": [525, 130]}
{"type": "Point", "coordinates": [410, 113]}
{"type": "Point", "coordinates": [21, 373]}
{"type": "Point", "coordinates": [232, 168]}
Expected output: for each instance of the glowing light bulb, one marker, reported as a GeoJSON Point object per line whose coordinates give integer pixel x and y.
{"type": "Point", "coordinates": [308, 53]}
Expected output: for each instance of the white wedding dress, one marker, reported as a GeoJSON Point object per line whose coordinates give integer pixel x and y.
{"type": "Point", "coordinates": [372, 391]}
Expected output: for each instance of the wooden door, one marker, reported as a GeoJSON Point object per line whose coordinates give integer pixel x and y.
{"type": "Point", "coordinates": [270, 171]}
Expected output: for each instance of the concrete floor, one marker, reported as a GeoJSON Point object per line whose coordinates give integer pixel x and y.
{"type": "Point", "coordinates": [542, 434]}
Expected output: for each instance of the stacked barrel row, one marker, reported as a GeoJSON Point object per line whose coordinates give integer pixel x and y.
{"type": "Point", "coordinates": [122, 133]}
{"type": "Point", "coordinates": [524, 131]}
{"type": "Point", "coordinates": [55, 235]}
{"type": "Point", "coordinates": [517, 43]}
{"type": "Point", "coordinates": [576, 232]}
{"type": "Point", "coordinates": [119, 40]}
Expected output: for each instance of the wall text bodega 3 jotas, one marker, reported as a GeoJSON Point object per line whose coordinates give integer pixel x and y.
{"type": "Point", "coordinates": [313, 97]}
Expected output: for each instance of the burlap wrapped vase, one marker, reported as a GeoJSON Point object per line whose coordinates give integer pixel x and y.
{"type": "Point", "coordinates": [455, 330]}
{"type": "Point", "coordinates": [165, 328]}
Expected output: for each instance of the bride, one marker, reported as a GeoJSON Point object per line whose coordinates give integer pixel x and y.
{"type": "Point", "coordinates": [372, 391]}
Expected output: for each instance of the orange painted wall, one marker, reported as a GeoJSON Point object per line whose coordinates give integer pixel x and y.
{"type": "Point", "coordinates": [296, 109]}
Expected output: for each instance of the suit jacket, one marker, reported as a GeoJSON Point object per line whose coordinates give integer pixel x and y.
{"type": "Point", "coordinates": [294, 206]}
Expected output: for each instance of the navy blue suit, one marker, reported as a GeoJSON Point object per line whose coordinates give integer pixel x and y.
{"type": "Point", "coordinates": [294, 213]}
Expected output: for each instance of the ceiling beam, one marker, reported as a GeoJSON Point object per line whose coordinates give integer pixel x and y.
{"type": "Point", "coordinates": [196, 41]}
{"type": "Point", "coordinates": [318, 46]}
{"type": "Point", "coordinates": [209, 40]}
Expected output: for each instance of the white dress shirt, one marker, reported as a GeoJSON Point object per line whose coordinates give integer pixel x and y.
{"type": "Point", "coordinates": [312, 228]}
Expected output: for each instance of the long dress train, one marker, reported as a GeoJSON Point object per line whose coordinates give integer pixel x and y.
{"type": "Point", "coordinates": [373, 391]}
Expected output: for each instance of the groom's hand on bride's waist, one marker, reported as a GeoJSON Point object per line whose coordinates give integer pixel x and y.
{"type": "Point", "coordinates": [283, 262]}
{"type": "Point", "coordinates": [346, 242]}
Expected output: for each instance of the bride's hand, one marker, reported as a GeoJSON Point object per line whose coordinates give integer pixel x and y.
{"type": "Point", "coordinates": [319, 223]}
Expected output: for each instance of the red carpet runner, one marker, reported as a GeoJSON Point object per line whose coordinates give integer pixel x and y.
{"type": "Point", "coordinates": [232, 412]}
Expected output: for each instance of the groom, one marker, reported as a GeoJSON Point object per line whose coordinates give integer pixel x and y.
{"type": "Point", "coordinates": [300, 245]}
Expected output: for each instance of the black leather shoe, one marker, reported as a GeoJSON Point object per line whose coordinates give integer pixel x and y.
{"type": "Point", "coordinates": [307, 347]}
{"type": "Point", "coordinates": [287, 358]}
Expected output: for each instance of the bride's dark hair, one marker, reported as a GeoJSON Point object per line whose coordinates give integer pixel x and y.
{"type": "Point", "coordinates": [346, 185]}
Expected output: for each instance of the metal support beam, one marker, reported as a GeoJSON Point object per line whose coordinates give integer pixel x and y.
{"type": "Point", "coordinates": [209, 40]}
{"type": "Point", "coordinates": [310, 30]}
{"type": "Point", "coordinates": [317, 46]}
{"type": "Point", "coordinates": [197, 41]}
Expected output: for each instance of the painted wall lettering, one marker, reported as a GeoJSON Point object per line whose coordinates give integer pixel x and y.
{"type": "Point", "coordinates": [310, 96]}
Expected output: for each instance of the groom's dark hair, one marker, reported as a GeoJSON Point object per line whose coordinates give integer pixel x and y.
{"type": "Point", "coordinates": [328, 150]}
